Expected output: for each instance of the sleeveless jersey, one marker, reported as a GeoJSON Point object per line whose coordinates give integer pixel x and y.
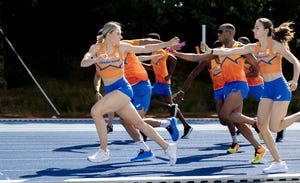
{"type": "Point", "coordinates": [233, 66]}
{"type": "Point", "coordinates": [160, 67]}
{"type": "Point", "coordinates": [267, 60]}
{"type": "Point", "coordinates": [216, 76]}
{"type": "Point", "coordinates": [134, 71]}
{"type": "Point", "coordinates": [113, 67]}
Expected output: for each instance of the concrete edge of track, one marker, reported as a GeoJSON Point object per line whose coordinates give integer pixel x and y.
{"type": "Point", "coordinates": [293, 178]}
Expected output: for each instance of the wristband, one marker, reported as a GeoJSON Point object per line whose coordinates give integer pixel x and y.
{"type": "Point", "coordinates": [181, 91]}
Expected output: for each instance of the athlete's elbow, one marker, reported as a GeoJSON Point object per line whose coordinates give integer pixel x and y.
{"type": "Point", "coordinates": [83, 64]}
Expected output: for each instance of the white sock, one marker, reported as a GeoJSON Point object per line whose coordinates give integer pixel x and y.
{"type": "Point", "coordinates": [234, 139]}
{"type": "Point", "coordinates": [165, 123]}
{"type": "Point", "coordinates": [142, 145]}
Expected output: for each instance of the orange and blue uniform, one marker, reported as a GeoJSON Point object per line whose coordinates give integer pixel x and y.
{"type": "Point", "coordinates": [269, 63]}
{"type": "Point", "coordinates": [233, 73]}
{"type": "Point", "coordinates": [256, 84]}
{"type": "Point", "coordinates": [216, 76]}
{"type": "Point", "coordinates": [113, 68]}
{"type": "Point", "coordinates": [134, 71]}
{"type": "Point", "coordinates": [161, 85]}
{"type": "Point", "coordinates": [137, 76]}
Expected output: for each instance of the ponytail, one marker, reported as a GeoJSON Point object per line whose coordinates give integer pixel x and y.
{"type": "Point", "coordinates": [108, 28]}
{"type": "Point", "coordinates": [284, 33]}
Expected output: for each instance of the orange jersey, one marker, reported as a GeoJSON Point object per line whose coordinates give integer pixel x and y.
{"type": "Point", "coordinates": [252, 81]}
{"type": "Point", "coordinates": [113, 67]}
{"type": "Point", "coordinates": [134, 71]}
{"type": "Point", "coordinates": [233, 66]}
{"type": "Point", "coordinates": [216, 76]}
{"type": "Point", "coordinates": [160, 67]}
{"type": "Point", "coordinates": [267, 60]}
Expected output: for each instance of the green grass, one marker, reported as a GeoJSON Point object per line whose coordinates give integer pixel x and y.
{"type": "Point", "coordinates": [69, 99]}
{"type": "Point", "coordinates": [72, 99]}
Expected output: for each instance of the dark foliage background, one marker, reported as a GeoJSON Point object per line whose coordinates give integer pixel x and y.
{"type": "Point", "coordinates": [51, 36]}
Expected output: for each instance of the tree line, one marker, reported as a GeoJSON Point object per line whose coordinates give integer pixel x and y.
{"type": "Point", "coordinates": [53, 35]}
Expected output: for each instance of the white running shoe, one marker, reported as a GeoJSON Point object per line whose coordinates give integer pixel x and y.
{"type": "Point", "coordinates": [276, 167]}
{"type": "Point", "coordinates": [99, 156]}
{"type": "Point", "coordinates": [171, 152]}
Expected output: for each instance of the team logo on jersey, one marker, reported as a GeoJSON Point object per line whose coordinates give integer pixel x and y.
{"type": "Point", "coordinates": [269, 62]}
{"type": "Point", "coordinates": [216, 70]}
{"type": "Point", "coordinates": [230, 59]}
{"type": "Point", "coordinates": [117, 63]}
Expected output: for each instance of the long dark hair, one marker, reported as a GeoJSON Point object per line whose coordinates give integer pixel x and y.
{"type": "Point", "coordinates": [284, 33]}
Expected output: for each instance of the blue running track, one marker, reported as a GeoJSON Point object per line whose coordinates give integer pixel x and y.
{"type": "Point", "coordinates": [55, 150]}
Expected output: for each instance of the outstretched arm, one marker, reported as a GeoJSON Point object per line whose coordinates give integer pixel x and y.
{"type": "Point", "coordinates": [143, 58]}
{"type": "Point", "coordinates": [249, 48]}
{"type": "Point", "coordinates": [145, 41]}
{"type": "Point", "coordinates": [196, 71]}
{"type": "Point", "coordinates": [193, 57]}
{"type": "Point", "coordinates": [126, 47]}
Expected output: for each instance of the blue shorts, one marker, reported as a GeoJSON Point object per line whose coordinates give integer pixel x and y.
{"type": "Point", "coordinates": [219, 94]}
{"type": "Point", "coordinates": [121, 85]}
{"type": "Point", "coordinates": [141, 95]}
{"type": "Point", "coordinates": [162, 89]}
{"type": "Point", "coordinates": [235, 87]}
{"type": "Point", "coordinates": [277, 90]}
{"type": "Point", "coordinates": [256, 91]}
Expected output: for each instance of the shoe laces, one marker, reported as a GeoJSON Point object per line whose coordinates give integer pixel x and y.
{"type": "Point", "coordinates": [169, 129]}
{"type": "Point", "coordinates": [141, 151]}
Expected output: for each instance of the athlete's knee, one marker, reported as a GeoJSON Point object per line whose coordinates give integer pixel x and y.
{"type": "Point", "coordinates": [139, 125]}
{"type": "Point", "coordinates": [262, 126]}
{"type": "Point", "coordinates": [224, 123]}
{"type": "Point", "coordinates": [96, 111]}
{"type": "Point", "coordinates": [224, 116]}
{"type": "Point", "coordinates": [275, 128]}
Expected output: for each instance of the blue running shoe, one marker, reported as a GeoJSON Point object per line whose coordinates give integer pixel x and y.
{"type": "Point", "coordinates": [143, 155]}
{"type": "Point", "coordinates": [173, 129]}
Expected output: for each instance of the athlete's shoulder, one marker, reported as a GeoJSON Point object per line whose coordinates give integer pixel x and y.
{"type": "Point", "coordinates": [94, 48]}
